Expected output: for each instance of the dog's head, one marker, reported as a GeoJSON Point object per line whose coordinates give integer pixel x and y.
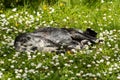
{"type": "Point", "coordinates": [31, 42]}
{"type": "Point", "coordinates": [21, 41]}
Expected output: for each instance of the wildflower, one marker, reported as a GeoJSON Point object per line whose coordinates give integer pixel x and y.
{"type": "Point", "coordinates": [43, 55]}
{"type": "Point", "coordinates": [14, 9]}
{"type": "Point", "coordinates": [23, 62]}
{"type": "Point", "coordinates": [48, 74]}
{"type": "Point", "coordinates": [105, 14]}
{"type": "Point", "coordinates": [2, 15]}
{"type": "Point", "coordinates": [110, 69]}
{"type": "Point", "coordinates": [110, 72]}
{"type": "Point", "coordinates": [109, 22]}
{"type": "Point", "coordinates": [33, 64]}
{"type": "Point", "coordinates": [104, 73]}
{"type": "Point", "coordinates": [89, 65]}
{"type": "Point", "coordinates": [69, 52]}
{"type": "Point", "coordinates": [44, 7]}
{"type": "Point", "coordinates": [109, 45]}
{"type": "Point", "coordinates": [1, 11]}
{"type": "Point", "coordinates": [12, 66]}
{"type": "Point", "coordinates": [116, 65]}
{"type": "Point", "coordinates": [55, 57]}
{"type": "Point", "coordinates": [13, 61]}
{"type": "Point", "coordinates": [57, 64]}
{"type": "Point", "coordinates": [102, 60]}
{"type": "Point", "coordinates": [58, 67]}
{"type": "Point", "coordinates": [2, 69]}
{"type": "Point", "coordinates": [20, 70]}
{"type": "Point", "coordinates": [85, 21]}
{"type": "Point", "coordinates": [1, 62]}
{"type": "Point", "coordinates": [104, 18]}
{"type": "Point", "coordinates": [107, 63]}
{"type": "Point", "coordinates": [67, 65]}
{"type": "Point", "coordinates": [66, 75]}
{"type": "Point", "coordinates": [78, 74]}
{"type": "Point", "coordinates": [34, 56]}
{"type": "Point", "coordinates": [62, 54]}
{"type": "Point", "coordinates": [1, 74]}
{"type": "Point", "coordinates": [24, 75]}
{"type": "Point", "coordinates": [51, 71]}
{"type": "Point", "coordinates": [110, 16]}
{"type": "Point", "coordinates": [71, 61]}
{"type": "Point", "coordinates": [73, 51]}
{"type": "Point", "coordinates": [75, 67]}
{"type": "Point", "coordinates": [51, 22]}
{"type": "Point", "coordinates": [81, 72]}
{"type": "Point", "coordinates": [51, 10]}
{"type": "Point", "coordinates": [38, 53]}
{"type": "Point", "coordinates": [9, 79]}
{"type": "Point", "coordinates": [16, 24]}
{"type": "Point", "coordinates": [39, 65]}
{"type": "Point", "coordinates": [17, 54]}
{"type": "Point", "coordinates": [76, 22]}
{"type": "Point", "coordinates": [18, 75]}
{"type": "Point", "coordinates": [16, 15]}
{"type": "Point", "coordinates": [110, 9]}
{"type": "Point", "coordinates": [118, 77]}
{"type": "Point", "coordinates": [38, 14]}
{"type": "Point", "coordinates": [102, 1]}
{"type": "Point", "coordinates": [71, 72]}
{"type": "Point", "coordinates": [61, 4]}
{"type": "Point", "coordinates": [99, 24]}
{"type": "Point", "coordinates": [31, 71]}
{"type": "Point", "coordinates": [98, 74]}
{"type": "Point", "coordinates": [72, 78]}
{"type": "Point", "coordinates": [64, 20]}
{"type": "Point", "coordinates": [91, 23]}
{"type": "Point", "coordinates": [46, 67]}
{"type": "Point", "coordinates": [116, 46]}
{"type": "Point", "coordinates": [100, 49]}
{"type": "Point", "coordinates": [11, 17]}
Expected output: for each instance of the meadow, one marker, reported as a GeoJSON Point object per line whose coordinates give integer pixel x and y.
{"type": "Point", "coordinates": [98, 62]}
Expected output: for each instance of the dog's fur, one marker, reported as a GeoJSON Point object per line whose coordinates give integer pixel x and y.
{"type": "Point", "coordinates": [50, 39]}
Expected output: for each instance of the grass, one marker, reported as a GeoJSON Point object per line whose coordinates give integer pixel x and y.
{"type": "Point", "coordinates": [101, 62]}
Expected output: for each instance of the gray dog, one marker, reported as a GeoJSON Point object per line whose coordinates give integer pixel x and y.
{"type": "Point", "coordinates": [50, 39]}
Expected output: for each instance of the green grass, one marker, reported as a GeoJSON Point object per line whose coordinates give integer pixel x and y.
{"type": "Point", "coordinates": [101, 62]}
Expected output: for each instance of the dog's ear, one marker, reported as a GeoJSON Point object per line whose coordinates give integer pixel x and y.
{"type": "Point", "coordinates": [90, 32]}
{"type": "Point", "coordinates": [20, 36]}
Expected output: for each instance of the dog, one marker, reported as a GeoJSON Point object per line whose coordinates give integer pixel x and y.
{"type": "Point", "coordinates": [60, 40]}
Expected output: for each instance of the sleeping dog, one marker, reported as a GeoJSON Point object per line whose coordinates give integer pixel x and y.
{"type": "Point", "coordinates": [51, 39]}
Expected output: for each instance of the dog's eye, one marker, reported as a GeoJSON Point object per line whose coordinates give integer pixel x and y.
{"type": "Point", "coordinates": [28, 38]}
{"type": "Point", "coordinates": [24, 40]}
